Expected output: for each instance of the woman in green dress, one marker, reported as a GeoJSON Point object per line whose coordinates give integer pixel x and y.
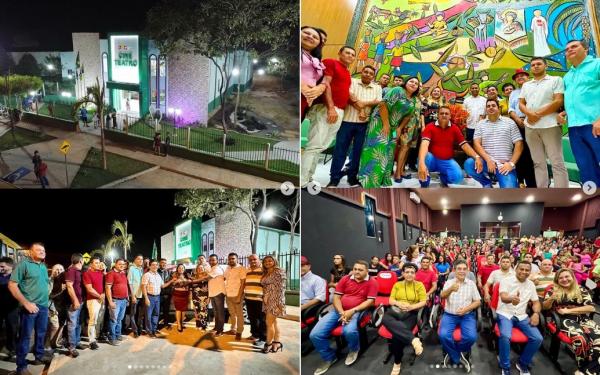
{"type": "Point", "coordinates": [389, 117]}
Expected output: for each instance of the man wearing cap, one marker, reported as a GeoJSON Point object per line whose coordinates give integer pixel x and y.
{"type": "Point", "coordinates": [540, 100]}
{"type": "Point", "coordinates": [582, 105]}
{"type": "Point", "coordinates": [525, 174]}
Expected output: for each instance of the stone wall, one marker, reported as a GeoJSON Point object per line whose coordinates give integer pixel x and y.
{"type": "Point", "coordinates": [188, 86]}
{"type": "Point", "coordinates": [90, 57]}
{"type": "Point", "coordinates": [233, 234]}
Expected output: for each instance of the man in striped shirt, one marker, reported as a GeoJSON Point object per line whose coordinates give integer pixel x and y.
{"type": "Point", "coordinates": [498, 141]}
{"type": "Point", "coordinates": [364, 95]}
{"type": "Point", "coordinates": [253, 295]}
{"type": "Point", "coordinates": [543, 278]}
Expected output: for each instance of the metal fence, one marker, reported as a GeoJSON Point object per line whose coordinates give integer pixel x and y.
{"type": "Point", "coordinates": [238, 147]}
{"type": "Point", "coordinates": [289, 262]}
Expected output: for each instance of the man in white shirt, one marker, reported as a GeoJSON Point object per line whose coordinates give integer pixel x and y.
{"type": "Point", "coordinates": [515, 294]}
{"type": "Point", "coordinates": [475, 105]}
{"type": "Point", "coordinates": [152, 283]}
{"type": "Point", "coordinates": [540, 100]}
{"type": "Point", "coordinates": [496, 276]}
{"type": "Point", "coordinates": [216, 293]}
{"type": "Point", "coordinates": [235, 277]}
{"type": "Point", "coordinates": [462, 298]}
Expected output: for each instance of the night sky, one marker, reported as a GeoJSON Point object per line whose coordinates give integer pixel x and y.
{"type": "Point", "coordinates": [48, 24]}
{"type": "Point", "coordinates": [72, 221]}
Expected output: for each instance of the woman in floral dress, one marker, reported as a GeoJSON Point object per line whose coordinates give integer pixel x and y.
{"type": "Point", "coordinates": [199, 288]}
{"type": "Point", "coordinates": [273, 283]}
{"type": "Point", "coordinates": [391, 115]}
{"type": "Point", "coordinates": [573, 305]}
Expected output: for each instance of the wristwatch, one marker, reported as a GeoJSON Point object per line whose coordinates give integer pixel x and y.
{"type": "Point", "coordinates": [512, 164]}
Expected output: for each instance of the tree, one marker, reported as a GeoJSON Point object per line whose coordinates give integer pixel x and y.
{"type": "Point", "coordinates": [212, 202]}
{"type": "Point", "coordinates": [18, 84]}
{"type": "Point", "coordinates": [6, 62]}
{"type": "Point", "coordinates": [28, 65]}
{"type": "Point", "coordinates": [120, 237]}
{"type": "Point", "coordinates": [293, 218]}
{"type": "Point", "coordinates": [216, 29]}
{"type": "Point", "coordinates": [95, 97]}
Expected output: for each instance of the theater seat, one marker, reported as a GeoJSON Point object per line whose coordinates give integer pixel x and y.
{"type": "Point", "coordinates": [517, 336]}
{"type": "Point", "coordinates": [366, 318]}
{"type": "Point", "coordinates": [561, 336]}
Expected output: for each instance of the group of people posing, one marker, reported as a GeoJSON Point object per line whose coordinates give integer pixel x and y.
{"type": "Point", "coordinates": [508, 141]}
{"type": "Point", "coordinates": [524, 280]}
{"type": "Point", "coordinates": [56, 306]}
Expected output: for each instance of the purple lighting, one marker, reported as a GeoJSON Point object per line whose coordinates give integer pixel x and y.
{"type": "Point", "coordinates": [178, 111]}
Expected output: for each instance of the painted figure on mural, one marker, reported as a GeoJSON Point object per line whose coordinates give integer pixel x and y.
{"type": "Point", "coordinates": [510, 22]}
{"type": "Point", "coordinates": [379, 51]}
{"type": "Point", "coordinates": [363, 52]}
{"type": "Point", "coordinates": [539, 28]}
{"type": "Point", "coordinates": [439, 27]}
{"type": "Point", "coordinates": [396, 60]}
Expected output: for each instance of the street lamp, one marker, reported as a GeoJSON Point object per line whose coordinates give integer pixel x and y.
{"type": "Point", "coordinates": [50, 66]}
{"type": "Point", "coordinates": [112, 254]}
{"type": "Point", "coordinates": [235, 72]}
{"type": "Point", "coordinates": [261, 72]}
{"type": "Point", "coordinates": [267, 214]}
{"type": "Point", "coordinates": [255, 61]}
{"type": "Point", "coordinates": [274, 60]}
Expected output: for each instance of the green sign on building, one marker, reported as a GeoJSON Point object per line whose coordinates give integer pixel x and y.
{"type": "Point", "coordinates": [188, 240]}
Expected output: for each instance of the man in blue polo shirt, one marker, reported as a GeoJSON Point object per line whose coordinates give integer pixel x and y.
{"type": "Point", "coordinates": [29, 285]}
{"type": "Point", "coordinates": [582, 106]}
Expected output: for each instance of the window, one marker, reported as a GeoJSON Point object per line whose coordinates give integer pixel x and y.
{"type": "Point", "coordinates": [211, 242]}
{"type": "Point", "coordinates": [405, 226]}
{"type": "Point", "coordinates": [204, 243]}
{"type": "Point", "coordinates": [105, 72]}
{"type": "Point", "coordinates": [153, 80]}
{"type": "Point", "coordinates": [162, 84]}
{"type": "Point", "coordinates": [370, 211]}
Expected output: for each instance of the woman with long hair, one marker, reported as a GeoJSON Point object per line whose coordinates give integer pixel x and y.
{"type": "Point", "coordinates": [412, 256]}
{"type": "Point", "coordinates": [387, 122]}
{"type": "Point", "coordinates": [273, 283]}
{"type": "Point", "coordinates": [199, 289]}
{"type": "Point", "coordinates": [338, 271]}
{"type": "Point", "coordinates": [311, 67]}
{"type": "Point", "coordinates": [386, 262]}
{"type": "Point", "coordinates": [573, 305]}
{"type": "Point", "coordinates": [181, 294]}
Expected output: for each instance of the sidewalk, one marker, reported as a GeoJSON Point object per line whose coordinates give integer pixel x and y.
{"type": "Point", "coordinates": [81, 143]}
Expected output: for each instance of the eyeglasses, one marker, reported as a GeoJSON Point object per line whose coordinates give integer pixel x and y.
{"type": "Point", "coordinates": [334, 258]}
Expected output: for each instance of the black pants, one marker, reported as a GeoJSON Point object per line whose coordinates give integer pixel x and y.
{"type": "Point", "coordinates": [165, 308]}
{"type": "Point", "coordinates": [525, 171]}
{"type": "Point", "coordinates": [10, 319]}
{"type": "Point", "coordinates": [218, 303]}
{"type": "Point", "coordinates": [258, 327]}
{"type": "Point", "coordinates": [136, 315]}
{"type": "Point", "coordinates": [401, 330]}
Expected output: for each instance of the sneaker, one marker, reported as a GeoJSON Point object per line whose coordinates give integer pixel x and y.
{"type": "Point", "coordinates": [523, 370]}
{"type": "Point", "coordinates": [351, 358]}
{"type": "Point", "coordinates": [465, 362]}
{"type": "Point", "coordinates": [324, 367]}
{"type": "Point", "coordinates": [114, 342]}
{"type": "Point", "coordinates": [446, 361]}
{"type": "Point", "coordinates": [396, 369]}
{"type": "Point", "coordinates": [94, 345]}
{"type": "Point", "coordinates": [353, 182]}
{"type": "Point", "coordinates": [41, 361]}
{"type": "Point", "coordinates": [505, 371]}
{"type": "Point", "coordinates": [332, 183]}
{"type": "Point", "coordinates": [73, 353]}
{"type": "Point", "coordinates": [80, 347]}
{"type": "Point", "coordinates": [120, 338]}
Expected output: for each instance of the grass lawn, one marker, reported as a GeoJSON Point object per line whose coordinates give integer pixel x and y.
{"type": "Point", "coordinates": [21, 137]}
{"type": "Point", "coordinates": [203, 139]}
{"type": "Point", "coordinates": [61, 110]}
{"type": "Point", "coordinates": [282, 166]}
{"type": "Point", "coordinates": [91, 175]}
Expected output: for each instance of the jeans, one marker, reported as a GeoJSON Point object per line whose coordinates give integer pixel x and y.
{"type": "Point", "coordinates": [152, 313]}
{"type": "Point", "coordinates": [533, 344]}
{"type": "Point", "coordinates": [258, 327]}
{"type": "Point", "coordinates": [136, 314]}
{"type": "Point", "coordinates": [218, 304]}
{"type": "Point", "coordinates": [586, 150]}
{"type": "Point", "coordinates": [450, 171]}
{"type": "Point", "coordinates": [37, 321]}
{"type": "Point", "coordinates": [505, 181]}
{"type": "Point", "coordinates": [349, 132]}
{"type": "Point", "coordinates": [116, 318]}
{"type": "Point", "coordinates": [468, 331]}
{"type": "Point", "coordinates": [74, 327]}
{"type": "Point", "coordinates": [321, 333]}
{"type": "Point", "coordinates": [11, 325]}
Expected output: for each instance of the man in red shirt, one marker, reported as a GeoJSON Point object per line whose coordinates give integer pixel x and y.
{"type": "Point", "coordinates": [437, 151]}
{"type": "Point", "coordinates": [117, 294]}
{"type": "Point", "coordinates": [93, 280]}
{"type": "Point", "coordinates": [485, 270]}
{"type": "Point", "coordinates": [353, 294]}
{"type": "Point", "coordinates": [427, 276]}
{"type": "Point", "coordinates": [326, 116]}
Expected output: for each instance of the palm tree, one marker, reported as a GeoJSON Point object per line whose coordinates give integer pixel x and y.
{"type": "Point", "coordinates": [95, 96]}
{"type": "Point", "coordinates": [123, 238]}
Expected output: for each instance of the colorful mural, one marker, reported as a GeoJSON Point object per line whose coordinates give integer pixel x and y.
{"type": "Point", "coordinates": [454, 43]}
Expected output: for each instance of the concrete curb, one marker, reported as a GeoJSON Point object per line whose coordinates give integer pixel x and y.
{"type": "Point", "coordinates": [131, 177]}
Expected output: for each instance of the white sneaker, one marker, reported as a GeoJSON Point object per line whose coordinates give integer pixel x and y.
{"type": "Point", "coordinates": [324, 367]}
{"type": "Point", "coordinates": [396, 369]}
{"type": "Point", "coordinates": [446, 361]}
{"type": "Point", "coordinates": [351, 358]}
{"type": "Point", "coordinates": [522, 371]}
{"type": "Point", "coordinates": [465, 362]}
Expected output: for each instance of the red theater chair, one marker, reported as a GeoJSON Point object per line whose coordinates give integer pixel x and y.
{"type": "Point", "coordinates": [386, 281]}
{"type": "Point", "coordinates": [383, 332]}
{"type": "Point", "coordinates": [337, 332]}
{"type": "Point", "coordinates": [308, 319]}
{"type": "Point", "coordinates": [517, 336]}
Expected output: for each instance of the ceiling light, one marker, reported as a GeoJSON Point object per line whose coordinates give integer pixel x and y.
{"type": "Point", "coordinates": [444, 201]}
{"type": "Point", "coordinates": [529, 199]}
{"type": "Point", "coordinates": [485, 200]}
{"type": "Point", "coordinates": [445, 211]}
{"type": "Point", "coordinates": [576, 197]}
